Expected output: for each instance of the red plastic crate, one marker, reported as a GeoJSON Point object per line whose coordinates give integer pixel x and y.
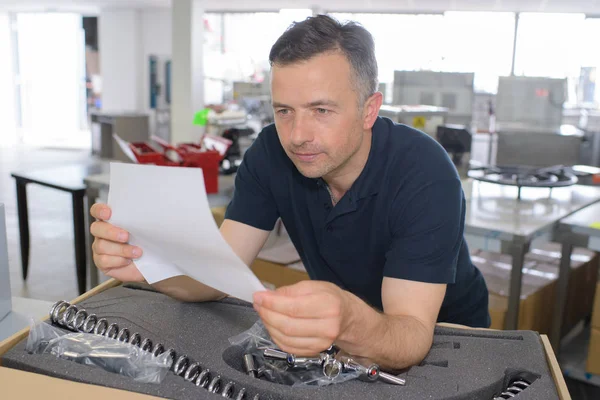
{"type": "Point", "coordinates": [146, 154]}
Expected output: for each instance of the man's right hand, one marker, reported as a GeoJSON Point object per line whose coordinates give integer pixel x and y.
{"type": "Point", "coordinates": [112, 255]}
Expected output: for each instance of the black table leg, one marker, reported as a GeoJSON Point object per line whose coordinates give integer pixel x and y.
{"type": "Point", "coordinates": [79, 234]}
{"type": "Point", "coordinates": [23, 225]}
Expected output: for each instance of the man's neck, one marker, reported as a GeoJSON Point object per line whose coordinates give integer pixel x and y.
{"type": "Point", "coordinates": [342, 179]}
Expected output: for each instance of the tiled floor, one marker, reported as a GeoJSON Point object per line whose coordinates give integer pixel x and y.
{"type": "Point", "coordinates": [52, 265]}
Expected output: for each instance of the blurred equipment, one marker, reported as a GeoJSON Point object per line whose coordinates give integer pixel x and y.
{"type": "Point", "coordinates": [522, 176]}
{"type": "Point", "coordinates": [529, 123]}
{"type": "Point", "coordinates": [526, 103]}
{"type": "Point", "coordinates": [422, 117]}
{"type": "Point", "coordinates": [132, 127]}
{"type": "Point", "coordinates": [457, 140]}
{"type": "Point", "coordinates": [233, 156]}
{"type": "Point", "coordinates": [451, 90]}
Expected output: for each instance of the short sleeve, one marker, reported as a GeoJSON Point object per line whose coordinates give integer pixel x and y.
{"type": "Point", "coordinates": [253, 203]}
{"type": "Point", "coordinates": [427, 233]}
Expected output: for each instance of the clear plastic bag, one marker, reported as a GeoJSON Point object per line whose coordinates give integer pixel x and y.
{"type": "Point", "coordinates": [91, 349]}
{"type": "Point", "coordinates": [256, 339]}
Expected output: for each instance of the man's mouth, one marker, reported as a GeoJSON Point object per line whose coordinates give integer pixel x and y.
{"type": "Point", "coordinates": [306, 157]}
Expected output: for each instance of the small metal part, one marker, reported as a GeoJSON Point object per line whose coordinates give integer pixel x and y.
{"type": "Point", "coordinates": [303, 362]}
{"type": "Point", "coordinates": [68, 316]}
{"type": "Point", "coordinates": [171, 357]}
{"type": "Point", "coordinates": [274, 354]}
{"type": "Point", "coordinates": [389, 378]}
{"type": "Point", "coordinates": [158, 349]}
{"type": "Point", "coordinates": [146, 344]}
{"type": "Point", "coordinates": [123, 335]}
{"type": "Point", "coordinates": [113, 331]}
{"type": "Point", "coordinates": [332, 368]}
{"type": "Point", "coordinates": [215, 385]}
{"type": "Point", "coordinates": [136, 339]}
{"type": "Point", "coordinates": [90, 323]}
{"type": "Point", "coordinates": [241, 394]}
{"type": "Point", "coordinates": [228, 390]}
{"type": "Point", "coordinates": [101, 326]}
{"type": "Point", "coordinates": [513, 390]}
{"type": "Point", "coordinates": [53, 310]}
{"type": "Point", "coordinates": [261, 371]}
{"type": "Point", "coordinates": [331, 350]}
{"type": "Point", "coordinates": [79, 319]}
{"type": "Point", "coordinates": [181, 364]}
{"type": "Point", "coordinates": [192, 372]}
{"type": "Point", "coordinates": [249, 365]}
{"type": "Point", "coordinates": [203, 378]}
{"type": "Point", "coordinates": [59, 311]}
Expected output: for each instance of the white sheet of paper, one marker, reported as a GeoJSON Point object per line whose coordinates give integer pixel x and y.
{"type": "Point", "coordinates": [166, 212]}
{"type": "Point", "coordinates": [125, 147]}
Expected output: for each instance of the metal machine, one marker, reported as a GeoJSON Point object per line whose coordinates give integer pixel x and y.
{"type": "Point", "coordinates": [529, 120]}
{"type": "Point", "coordinates": [451, 90]}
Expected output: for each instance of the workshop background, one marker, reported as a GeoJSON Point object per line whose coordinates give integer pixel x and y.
{"type": "Point", "coordinates": [507, 87]}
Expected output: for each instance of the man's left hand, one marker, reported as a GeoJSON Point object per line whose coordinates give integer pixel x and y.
{"type": "Point", "coordinates": [305, 318]}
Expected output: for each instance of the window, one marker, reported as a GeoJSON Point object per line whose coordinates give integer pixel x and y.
{"type": "Point", "coordinates": [402, 41]}
{"type": "Point", "coordinates": [479, 42]}
{"type": "Point", "coordinates": [547, 45]}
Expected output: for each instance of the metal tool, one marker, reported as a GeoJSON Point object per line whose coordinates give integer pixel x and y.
{"type": "Point", "coordinates": [389, 378]}
{"type": "Point", "coordinates": [203, 379]}
{"type": "Point", "coordinates": [249, 365]}
{"type": "Point", "coordinates": [90, 323]}
{"type": "Point", "coordinates": [275, 354]}
{"type": "Point", "coordinates": [228, 390]}
{"type": "Point", "coordinates": [304, 362]}
{"type": "Point", "coordinates": [113, 331]}
{"type": "Point", "coordinates": [123, 335]}
{"type": "Point", "coordinates": [181, 365]}
{"type": "Point", "coordinates": [192, 372]}
{"type": "Point", "coordinates": [371, 373]}
{"type": "Point", "coordinates": [215, 385]}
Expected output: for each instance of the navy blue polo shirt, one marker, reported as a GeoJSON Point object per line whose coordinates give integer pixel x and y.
{"type": "Point", "coordinates": [402, 218]}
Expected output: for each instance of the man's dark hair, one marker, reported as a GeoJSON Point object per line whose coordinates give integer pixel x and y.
{"type": "Point", "coordinates": [322, 34]}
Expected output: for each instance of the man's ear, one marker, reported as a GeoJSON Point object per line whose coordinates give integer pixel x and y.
{"type": "Point", "coordinates": [371, 110]}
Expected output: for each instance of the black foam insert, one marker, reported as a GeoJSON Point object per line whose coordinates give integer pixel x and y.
{"type": "Point", "coordinates": [461, 365]}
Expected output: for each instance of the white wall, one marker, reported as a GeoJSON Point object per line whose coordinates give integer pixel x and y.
{"type": "Point", "coordinates": [120, 48]}
{"type": "Point", "coordinates": [8, 132]}
{"type": "Point", "coordinates": [187, 69]}
{"type": "Point", "coordinates": [156, 40]}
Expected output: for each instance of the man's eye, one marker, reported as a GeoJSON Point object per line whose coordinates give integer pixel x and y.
{"type": "Point", "coordinates": [322, 110]}
{"type": "Point", "coordinates": [282, 112]}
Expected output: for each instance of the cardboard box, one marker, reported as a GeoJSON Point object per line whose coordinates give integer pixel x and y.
{"type": "Point", "coordinates": [539, 287]}
{"type": "Point", "coordinates": [218, 214]}
{"type": "Point", "coordinates": [593, 360]}
{"type": "Point", "coordinates": [280, 264]}
{"type": "Point", "coordinates": [596, 308]}
{"type": "Point", "coordinates": [17, 384]}
{"type": "Point", "coordinates": [551, 252]}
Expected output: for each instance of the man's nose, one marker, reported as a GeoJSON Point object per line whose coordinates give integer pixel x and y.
{"type": "Point", "coordinates": [301, 130]}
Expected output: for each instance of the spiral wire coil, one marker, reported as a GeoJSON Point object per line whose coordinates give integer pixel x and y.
{"type": "Point", "coordinates": [78, 319]}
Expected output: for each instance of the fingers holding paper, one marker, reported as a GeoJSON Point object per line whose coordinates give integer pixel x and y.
{"type": "Point", "coordinates": [305, 318]}
{"type": "Point", "coordinates": [111, 253]}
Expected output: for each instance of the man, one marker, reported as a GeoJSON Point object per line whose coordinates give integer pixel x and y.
{"type": "Point", "coordinates": [375, 209]}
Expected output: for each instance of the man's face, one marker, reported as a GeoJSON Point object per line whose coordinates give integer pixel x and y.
{"type": "Point", "coordinates": [317, 114]}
